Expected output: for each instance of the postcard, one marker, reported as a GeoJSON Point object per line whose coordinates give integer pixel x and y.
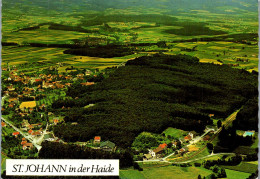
{"type": "Point", "coordinates": [129, 89]}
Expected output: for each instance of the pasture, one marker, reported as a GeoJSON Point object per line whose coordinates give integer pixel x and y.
{"type": "Point", "coordinates": [173, 132]}
{"type": "Point", "coordinates": [232, 174]}
{"type": "Point", "coordinates": [43, 35]}
{"type": "Point", "coordinates": [169, 172]}
{"type": "Point", "coordinates": [131, 174]}
{"type": "Point", "coordinates": [245, 167]}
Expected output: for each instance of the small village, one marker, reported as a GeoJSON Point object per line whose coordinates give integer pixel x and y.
{"type": "Point", "coordinates": [26, 104]}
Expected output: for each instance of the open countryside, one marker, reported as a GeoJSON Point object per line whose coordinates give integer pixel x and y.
{"type": "Point", "coordinates": [168, 89]}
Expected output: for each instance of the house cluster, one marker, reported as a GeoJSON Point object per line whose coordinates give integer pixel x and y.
{"type": "Point", "coordinates": [106, 145]}
{"type": "Point", "coordinates": [190, 136]}
{"type": "Point", "coordinates": [26, 145]}
{"type": "Point", "coordinates": [156, 153]}
{"type": "Point", "coordinates": [26, 126]}
{"type": "Point", "coordinates": [20, 87]}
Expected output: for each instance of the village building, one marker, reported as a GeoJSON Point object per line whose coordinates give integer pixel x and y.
{"type": "Point", "coordinates": [16, 134]}
{"type": "Point", "coordinates": [27, 146]}
{"type": "Point", "coordinates": [160, 148]}
{"type": "Point", "coordinates": [30, 131]}
{"type": "Point", "coordinates": [190, 136]}
{"type": "Point", "coordinates": [152, 153]}
{"type": "Point", "coordinates": [36, 134]}
{"type": "Point", "coordinates": [55, 121]}
{"type": "Point", "coordinates": [97, 140]}
{"type": "Point", "coordinates": [211, 115]}
{"type": "Point", "coordinates": [3, 124]}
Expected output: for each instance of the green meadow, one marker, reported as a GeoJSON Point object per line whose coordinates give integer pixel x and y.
{"type": "Point", "coordinates": [232, 174]}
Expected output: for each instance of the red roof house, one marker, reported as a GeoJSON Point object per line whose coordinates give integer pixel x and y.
{"type": "Point", "coordinates": [16, 134]}
{"type": "Point", "coordinates": [3, 124]}
{"type": "Point", "coordinates": [30, 131]}
{"type": "Point", "coordinates": [97, 139]}
{"type": "Point", "coordinates": [159, 149]}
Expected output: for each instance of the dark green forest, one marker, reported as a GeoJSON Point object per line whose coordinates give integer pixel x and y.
{"type": "Point", "coordinates": [247, 118]}
{"type": "Point", "coordinates": [152, 93]}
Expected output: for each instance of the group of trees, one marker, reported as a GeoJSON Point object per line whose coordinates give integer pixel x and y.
{"type": "Point", "coordinates": [101, 51]}
{"type": "Point", "coordinates": [229, 140]}
{"type": "Point", "coordinates": [247, 117]}
{"type": "Point", "coordinates": [155, 92]}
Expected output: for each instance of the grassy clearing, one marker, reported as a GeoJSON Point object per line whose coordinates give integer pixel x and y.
{"type": "Point", "coordinates": [169, 172]}
{"type": "Point", "coordinates": [131, 174]}
{"type": "Point", "coordinates": [245, 150]}
{"type": "Point", "coordinates": [232, 174]}
{"type": "Point", "coordinates": [253, 162]}
{"type": "Point", "coordinates": [173, 132]}
{"type": "Point", "coordinates": [243, 167]}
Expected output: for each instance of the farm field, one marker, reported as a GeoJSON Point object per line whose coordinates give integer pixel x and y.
{"type": "Point", "coordinates": [42, 57]}
{"type": "Point", "coordinates": [232, 174]}
{"type": "Point", "coordinates": [169, 172]}
{"type": "Point", "coordinates": [131, 174]}
{"type": "Point", "coordinates": [156, 170]}
{"type": "Point", "coordinates": [43, 35]}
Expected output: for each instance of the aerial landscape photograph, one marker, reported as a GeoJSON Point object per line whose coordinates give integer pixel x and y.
{"type": "Point", "coordinates": [168, 87]}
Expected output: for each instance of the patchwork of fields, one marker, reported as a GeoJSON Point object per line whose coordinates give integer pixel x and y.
{"type": "Point", "coordinates": [168, 172]}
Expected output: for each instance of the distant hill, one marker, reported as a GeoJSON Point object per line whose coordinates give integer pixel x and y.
{"type": "Point", "coordinates": [173, 6]}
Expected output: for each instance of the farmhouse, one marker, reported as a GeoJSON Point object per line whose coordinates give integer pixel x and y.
{"type": "Point", "coordinates": [97, 139]}
{"type": "Point", "coordinates": [16, 134]}
{"type": "Point", "coordinates": [160, 149]}
{"type": "Point", "coordinates": [190, 136]}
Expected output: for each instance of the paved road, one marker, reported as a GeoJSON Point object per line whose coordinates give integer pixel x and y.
{"type": "Point", "coordinates": [23, 134]}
